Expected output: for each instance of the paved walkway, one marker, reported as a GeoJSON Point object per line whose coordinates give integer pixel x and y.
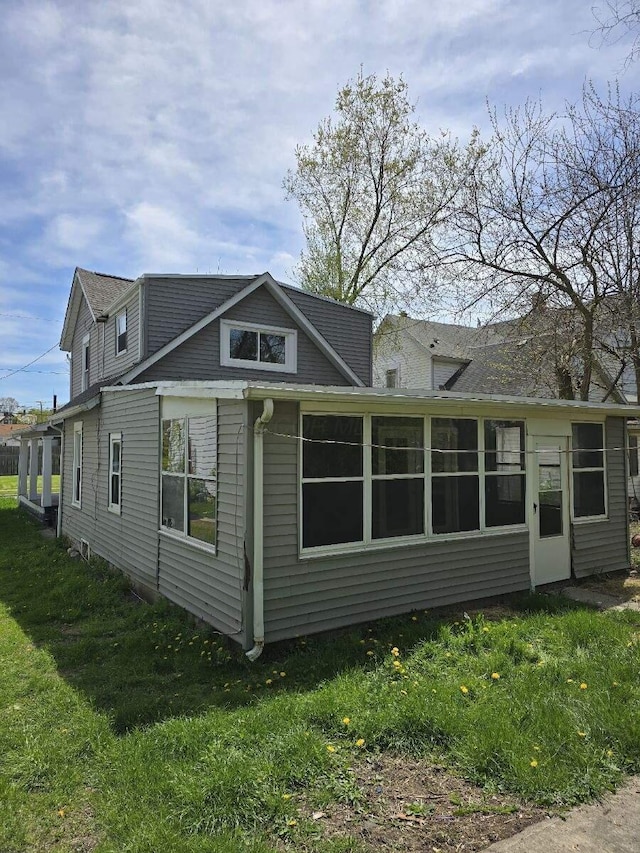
{"type": "Point", "coordinates": [610, 826]}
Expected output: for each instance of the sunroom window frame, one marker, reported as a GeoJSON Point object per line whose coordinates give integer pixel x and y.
{"type": "Point", "coordinates": [290, 347]}
{"type": "Point", "coordinates": [588, 519]}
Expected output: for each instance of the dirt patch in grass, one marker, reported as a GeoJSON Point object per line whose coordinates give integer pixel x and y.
{"type": "Point", "coordinates": [407, 805]}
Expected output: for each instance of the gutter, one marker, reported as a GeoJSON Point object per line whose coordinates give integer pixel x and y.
{"type": "Point", "coordinates": [258, 530]}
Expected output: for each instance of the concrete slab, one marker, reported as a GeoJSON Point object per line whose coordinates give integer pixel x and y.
{"type": "Point", "coordinates": [601, 600]}
{"type": "Point", "coordinates": [609, 826]}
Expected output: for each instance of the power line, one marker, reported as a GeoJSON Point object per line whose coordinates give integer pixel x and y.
{"type": "Point", "coordinates": [55, 372]}
{"type": "Point", "coordinates": [30, 317]}
{"type": "Point", "coordinates": [24, 367]}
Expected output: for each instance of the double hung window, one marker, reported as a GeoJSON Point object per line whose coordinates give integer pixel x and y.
{"type": "Point", "coordinates": [504, 466]}
{"type": "Point", "coordinates": [455, 481]}
{"type": "Point", "coordinates": [588, 470]}
{"type": "Point", "coordinates": [189, 477]}
{"type": "Point", "coordinates": [86, 361]}
{"type": "Point", "coordinates": [76, 495]}
{"type": "Point", "coordinates": [121, 332]}
{"type": "Point", "coordinates": [397, 473]}
{"type": "Point", "coordinates": [115, 471]}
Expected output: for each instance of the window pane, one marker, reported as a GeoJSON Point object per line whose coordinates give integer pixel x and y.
{"type": "Point", "coordinates": [504, 445]}
{"type": "Point", "coordinates": [549, 478]}
{"type": "Point", "coordinates": [115, 489]}
{"type": "Point", "coordinates": [331, 513]}
{"type": "Point", "coordinates": [550, 514]}
{"type": "Point", "coordinates": [202, 510]}
{"type": "Point", "coordinates": [397, 432]}
{"type": "Point", "coordinates": [588, 442]}
{"type": "Point", "coordinates": [391, 378]}
{"type": "Point", "coordinates": [202, 446]}
{"type": "Point", "coordinates": [504, 500]}
{"type": "Point", "coordinates": [243, 344]}
{"type": "Point", "coordinates": [115, 457]}
{"type": "Point", "coordinates": [588, 493]}
{"type": "Point", "coordinates": [398, 508]}
{"type": "Point", "coordinates": [455, 504]}
{"type": "Point", "coordinates": [173, 502]}
{"type": "Point", "coordinates": [173, 446]}
{"type": "Point", "coordinates": [633, 455]}
{"type": "Point", "coordinates": [333, 459]}
{"type": "Point", "coordinates": [272, 348]}
{"type": "Point", "coordinates": [449, 435]}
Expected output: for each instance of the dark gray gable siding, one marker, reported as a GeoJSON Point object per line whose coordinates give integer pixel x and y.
{"type": "Point", "coordinates": [207, 585]}
{"type": "Point", "coordinates": [349, 332]}
{"type": "Point", "coordinates": [128, 540]}
{"type": "Point", "coordinates": [199, 356]}
{"type": "Point", "coordinates": [305, 596]}
{"type": "Point", "coordinates": [172, 305]}
{"type": "Point", "coordinates": [602, 546]}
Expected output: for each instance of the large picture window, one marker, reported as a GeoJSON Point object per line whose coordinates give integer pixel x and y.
{"type": "Point", "coordinates": [249, 345]}
{"type": "Point", "coordinates": [588, 470]}
{"type": "Point", "coordinates": [189, 477]}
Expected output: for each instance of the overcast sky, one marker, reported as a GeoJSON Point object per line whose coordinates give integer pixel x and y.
{"type": "Point", "coordinates": [153, 136]}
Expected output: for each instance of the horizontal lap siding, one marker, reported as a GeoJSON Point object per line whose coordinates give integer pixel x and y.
{"type": "Point", "coordinates": [199, 356]}
{"type": "Point", "coordinates": [84, 326]}
{"type": "Point", "coordinates": [206, 584]}
{"type": "Point", "coordinates": [116, 365]}
{"type": "Point", "coordinates": [303, 596]}
{"type": "Point", "coordinates": [128, 540]}
{"type": "Point", "coordinates": [601, 546]}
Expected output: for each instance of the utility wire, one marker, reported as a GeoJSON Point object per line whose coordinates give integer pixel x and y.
{"type": "Point", "coordinates": [24, 367]}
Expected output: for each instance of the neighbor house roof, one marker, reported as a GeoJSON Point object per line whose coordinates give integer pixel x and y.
{"type": "Point", "coordinates": [7, 429]}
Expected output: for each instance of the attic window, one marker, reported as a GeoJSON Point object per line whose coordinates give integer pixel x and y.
{"type": "Point", "coordinates": [249, 345]}
{"type": "Point", "coordinates": [121, 332]}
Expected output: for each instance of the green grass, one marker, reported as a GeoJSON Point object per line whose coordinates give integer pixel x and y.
{"type": "Point", "coordinates": [123, 724]}
{"type": "Point", "coordinates": [9, 485]}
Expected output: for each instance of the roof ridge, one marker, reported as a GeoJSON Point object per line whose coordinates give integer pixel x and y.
{"type": "Point", "coordinates": [106, 274]}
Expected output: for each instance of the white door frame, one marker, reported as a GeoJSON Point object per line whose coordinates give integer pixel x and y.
{"type": "Point", "coordinates": [554, 550]}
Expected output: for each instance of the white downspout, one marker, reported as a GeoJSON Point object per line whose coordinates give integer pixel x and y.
{"type": "Point", "coordinates": [258, 531]}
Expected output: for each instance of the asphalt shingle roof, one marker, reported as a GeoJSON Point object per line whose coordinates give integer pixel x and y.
{"type": "Point", "coordinates": [102, 290]}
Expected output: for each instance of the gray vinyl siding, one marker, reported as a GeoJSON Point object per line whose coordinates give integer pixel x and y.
{"type": "Point", "coordinates": [349, 332]}
{"type": "Point", "coordinates": [117, 364]}
{"type": "Point", "coordinates": [443, 371]}
{"type": "Point", "coordinates": [199, 356]}
{"type": "Point", "coordinates": [206, 584]}
{"type": "Point", "coordinates": [84, 326]}
{"type": "Point", "coordinates": [128, 540]}
{"type": "Point", "coordinates": [172, 305]}
{"type": "Point", "coordinates": [602, 546]}
{"type": "Point", "coordinates": [316, 594]}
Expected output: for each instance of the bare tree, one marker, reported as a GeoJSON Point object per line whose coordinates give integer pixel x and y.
{"type": "Point", "coordinates": [615, 19]}
{"type": "Point", "coordinates": [373, 189]}
{"type": "Point", "coordinates": [538, 218]}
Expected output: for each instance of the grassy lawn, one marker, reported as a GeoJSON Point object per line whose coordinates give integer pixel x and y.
{"type": "Point", "coordinates": [9, 485]}
{"type": "Point", "coordinates": [125, 729]}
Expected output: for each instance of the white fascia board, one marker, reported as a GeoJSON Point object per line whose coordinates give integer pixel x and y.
{"type": "Point", "coordinates": [281, 297]}
{"type": "Point", "coordinates": [192, 330]}
{"type": "Point", "coordinates": [202, 388]}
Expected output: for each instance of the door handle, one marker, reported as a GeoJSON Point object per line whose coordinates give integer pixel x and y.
{"type": "Point", "coordinates": [535, 507]}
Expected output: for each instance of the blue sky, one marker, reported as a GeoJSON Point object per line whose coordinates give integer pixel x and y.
{"type": "Point", "coordinates": [153, 136]}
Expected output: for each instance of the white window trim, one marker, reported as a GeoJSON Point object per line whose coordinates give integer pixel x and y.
{"type": "Point", "coordinates": [171, 532]}
{"type": "Point", "coordinates": [290, 347]}
{"type": "Point", "coordinates": [86, 345]}
{"type": "Point", "coordinates": [367, 543]}
{"type": "Point", "coordinates": [76, 500]}
{"type": "Point", "coordinates": [114, 438]}
{"type": "Point", "coordinates": [120, 314]}
{"type": "Point", "coordinates": [588, 519]}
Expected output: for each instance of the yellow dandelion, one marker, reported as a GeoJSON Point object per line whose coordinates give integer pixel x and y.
{"type": "Point", "coordinates": [292, 822]}
{"type": "Point", "coordinates": [495, 675]}
{"type": "Point", "coordinates": [583, 686]}
{"type": "Point", "coordinates": [533, 763]}
{"type": "Point", "coordinates": [346, 720]}
{"type": "Point", "coordinates": [282, 674]}
{"type": "Point", "coordinates": [330, 748]}
{"type": "Point", "coordinates": [395, 651]}
{"type": "Point", "coordinates": [370, 653]}
{"type": "Point", "coordinates": [569, 680]}
{"type": "Point", "coordinates": [360, 741]}
{"type": "Point", "coordinates": [485, 630]}
{"type": "Point", "coordinates": [286, 796]}
{"type": "Point", "coordinates": [397, 664]}
{"type": "Point", "coordinates": [609, 753]}
{"type": "Point", "coordinates": [536, 747]}
{"type": "Point", "coordinates": [582, 734]}
{"type": "Point", "coordinates": [61, 812]}
{"type": "Point", "coordinates": [615, 684]}
{"type": "Point", "coordinates": [362, 642]}
{"type": "Point", "coordinates": [464, 689]}
{"type": "Point", "coordinates": [269, 681]}
{"type": "Point", "coordinates": [414, 618]}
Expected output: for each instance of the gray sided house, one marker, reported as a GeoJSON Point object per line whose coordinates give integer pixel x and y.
{"type": "Point", "coordinates": [243, 466]}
